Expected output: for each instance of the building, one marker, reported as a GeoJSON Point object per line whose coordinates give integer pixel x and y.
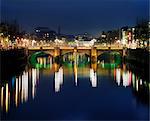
{"type": "Point", "coordinates": [44, 33]}
{"type": "Point", "coordinates": [127, 35]}
{"type": "Point", "coordinates": [138, 35]}
{"type": "Point", "coordinates": [84, 37]}
{"type": "Point", "coordinates": [142, 33]}
{"type": "Point", "coordinates": [10, 30]}
{"type": "Point", "coordinates": [86, 43]}
{"type": "Point", "coordinates": [109, 37]}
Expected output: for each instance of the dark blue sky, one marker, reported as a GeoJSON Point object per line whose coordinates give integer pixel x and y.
{"type": "Point", "coordinates": [75, 16]}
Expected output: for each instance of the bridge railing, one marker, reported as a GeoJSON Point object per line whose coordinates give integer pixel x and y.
{"type": "Point", "coordinates": [79, 47]}
{"type": "Point", "coordinates": [113, 46]}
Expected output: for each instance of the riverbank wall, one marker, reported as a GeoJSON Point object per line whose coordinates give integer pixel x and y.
{"type": "Point", "coordinates": [138, 56]}
{"type": "Point", "coordinates": [138, 61]}
{"type": "Point", "coordinates": [12, 62]}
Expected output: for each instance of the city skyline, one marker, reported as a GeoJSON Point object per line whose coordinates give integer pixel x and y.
{"type": "Point", "coordinates": [75, 17]}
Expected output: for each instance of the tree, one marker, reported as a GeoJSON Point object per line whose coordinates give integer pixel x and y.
{"type": "Point", "coordinates": [142, 31]}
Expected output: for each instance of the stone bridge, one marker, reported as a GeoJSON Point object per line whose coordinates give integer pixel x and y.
{"type": "Point", "coordinates": [93, 52]}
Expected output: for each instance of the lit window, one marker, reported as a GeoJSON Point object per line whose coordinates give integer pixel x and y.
{"type": "Point", "coordinates": [37, 30]}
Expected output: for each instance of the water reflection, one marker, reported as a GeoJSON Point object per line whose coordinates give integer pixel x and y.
{"type": "Point", "coordinates": [35, 80]}
{"type": "Point", "coordinates": [128, 78]}
{"type": "Point", "coordinates": [42, 62]}
{"type": "Point", "coordinates": [23, 88]}
{"type": "Point", "coordinates": [58, 79]}
{"type": "Point", "coordinates": [76, 73]}
{"type": "Point", "coordinates": [17, 90]}
{"type": "Point", "coordinates": [93, 78]}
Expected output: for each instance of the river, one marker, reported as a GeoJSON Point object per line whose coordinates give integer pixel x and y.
{"type": "Point", "coordinates": [75, 89]}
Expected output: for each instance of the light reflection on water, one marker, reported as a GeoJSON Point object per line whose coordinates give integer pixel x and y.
{"type": "Point", "coordinates": [24, 87]}
{"type": "Point", "coordinates": [18, 89]}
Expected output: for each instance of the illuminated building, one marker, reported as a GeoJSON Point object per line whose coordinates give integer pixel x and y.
{"type": "Point", "coordinates": [124, 39]}
{"type": "Point", "coordinates": [128, 38]}
{"type": "Point", "coordinates": [87, 43]}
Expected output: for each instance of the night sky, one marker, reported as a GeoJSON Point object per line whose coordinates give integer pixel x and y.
{"type": "Point", "coordinates": [75, 16]}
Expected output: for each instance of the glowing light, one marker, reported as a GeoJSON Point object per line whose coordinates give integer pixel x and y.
{"type": "Point", "coordinates": [102, 63]}
{"type": "Point", "coordinates": [2, 95]}
{"type": "Point", "coordinates": [114, 74]}
{"type": "Point", "coordinates": [37, 30]}
{"type": "Point", "coordinates": [25, 87]}
{"type": "Point", "coordinates": [140, 81]}
{"type": "Point", "coordinates": [129, 35]}
{"type": "Point", "coordinates": [56, 67]}
{"type": "Point", "coordinates": [33, 82]}
{"type": "Point", "coordinates": [93, 78]}
{"type": "Point", "coordinates": [125, 79]}
{"type": "Point", "coordinates": [88, 59]}
{"type": "Point", "coordinates": [56, 82]}
{"type": "Point", "coordinates": [118, 76]}
{"type": "Point", "coordinates": [75, 50]}
{"type": "Point", "coordinates": [130, 78]}
{"type": "Point", "coordinates": [76, 74]}
{"type": "Point", "coordinates": [41, 61]}
{"type": "Point", "coordinates": [16, 94]}
{"type": "Point", "coordinates": [75, 69]}
{"type": "Point", "coordinates": [7, 98]}
{"type": "Point", "coordinates": [58, 79]}
{"type": "Point", "coordinates": [61, 75]}
{"type": "Point", "coordinates": [103, 35]}
{"type": "Point", "coordinates": [19, 84]}
{"type": "Point", "coordinates": [7, 39]}
{"type": "Point", "coordinates": [133, 80]}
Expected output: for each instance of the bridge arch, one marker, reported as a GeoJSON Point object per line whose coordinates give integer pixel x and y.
{"type": "Point", "coordinates": [49, 52]}
{"type": "Point", "coordinates": [86, 52]}
{"type": "Point", "coordinates": [64, 52]}
{"type": "Point", "coordinates": [69, 58]}
{"type": "Point", "coordinates": [110, 58]}
{"type": "Point", "coordinates": [33, 59]}
{"type": "Point", "coordinates": [100, 52]}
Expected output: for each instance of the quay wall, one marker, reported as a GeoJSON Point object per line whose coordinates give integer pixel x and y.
{"type": "Point", "coordinates": [138, 56]}
{"type": "Point", "coordinates": [138, 61]}
{"type": "Point", "coordinates": [12, 61]}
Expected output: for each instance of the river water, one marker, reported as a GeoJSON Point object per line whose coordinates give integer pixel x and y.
{"type": "Point", "coordinates": [75, 90]}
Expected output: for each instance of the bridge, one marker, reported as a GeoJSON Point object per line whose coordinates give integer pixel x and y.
{"type": "Point", "coordinates": [93, 51]}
